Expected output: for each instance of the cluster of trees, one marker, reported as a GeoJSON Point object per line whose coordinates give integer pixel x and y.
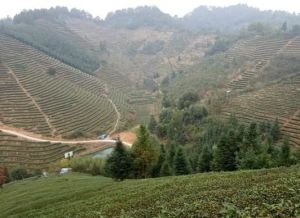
{"type": "Point", "coordinates": [54, 13]}
{"type": "Point", "coordinates": [138, 162]}
{"type": "Point", "coordinates": [222, 146]}
{"type": "Point", "coordinates": [145, 159]}
{"type": "Point", "coordinates": [56, 45]}
{"type": "Point", "coordinates": [15, 173]}
{"type": "Point", "coordinates": [232, 18]}
{"type": "Point", "coordinates": [232, 146]}
{"type": "Point", "coordinates": [210, 144]}
{"type": "Point", "coordinates": [146, 16]}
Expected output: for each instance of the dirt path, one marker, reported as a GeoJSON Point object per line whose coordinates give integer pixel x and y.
{"type": "Point", "coordinates": [33, 101]}
{"type": "Point", "coordinates": [36, 139]}
{"type": "Point", "coordinates": [118, 115]}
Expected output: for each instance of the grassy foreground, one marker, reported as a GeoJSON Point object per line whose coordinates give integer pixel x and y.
{"type": "Point", "coordinates": [200, 195]}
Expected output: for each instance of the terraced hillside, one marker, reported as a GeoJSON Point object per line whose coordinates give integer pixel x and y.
{"type": "Point", "coordinates": [258, 51]}
{"type": "Point", "coordinates": [278, 101]}
{"type": "Point", "coordinates": [15, 151]}
{"type": "Point", "coordinates": [42, 95]}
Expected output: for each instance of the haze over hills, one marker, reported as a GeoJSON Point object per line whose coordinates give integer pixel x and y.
{"type": "Point", "coordinates": [215, 90]}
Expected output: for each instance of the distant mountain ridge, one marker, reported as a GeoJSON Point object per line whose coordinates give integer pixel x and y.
{"type": "Point", "coordinates": [202, 18]}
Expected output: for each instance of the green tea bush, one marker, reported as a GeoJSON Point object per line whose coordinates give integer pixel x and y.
{"type": "Point", "coordinates": [93, 166]}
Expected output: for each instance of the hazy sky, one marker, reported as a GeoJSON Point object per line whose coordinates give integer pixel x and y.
{"type": "Point", "coordinates": [173, 7]}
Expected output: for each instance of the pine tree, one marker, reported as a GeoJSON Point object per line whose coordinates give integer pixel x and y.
{"type": "Point", "coordinates": [144, 154]}
{"type": "Point", "coordinates": [284, 26]}
{"type": "Point", "coordinates": [181, 164]}
{"type": "Point", "coordinates": [275, 131]}
{"type": "Point", "coordinates": [205, 159]}
{"type": "Point", "coordinates": [285, 154]}
{"type": "Point", "coordinates": [171, 156]}
{"type": "Point", "coordinates": [224, 157]}
{"type": "Point", "coordinates": [152, 126]}
{"type": "Point", "coordinates": [161, 159]}
{"type": "Point", "coordinates": [119, 163]}
{"type": "Point", "coordinates": [251, 136]}
{"type": "Point", "coordinates": [165, 169]}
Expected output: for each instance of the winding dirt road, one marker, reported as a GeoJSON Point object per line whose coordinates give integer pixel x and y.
{"type": "Point", "coordinates": [37, 139]}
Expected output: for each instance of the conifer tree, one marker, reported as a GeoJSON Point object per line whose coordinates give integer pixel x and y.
{"type": "Point", "coordinates": [275, 131]}
{"type": "Point", "coordinates": [224, 157]}
{"type": "Point", "coordinates": [119, 163]}
{"type": "Point", "coordinates": [205, 159]}
{"type": "Point", "coordinates": [171, 156]}
{"type": "Point", "coordinates": [181, 163]}
{"type": "Point", "coordinates": [160, 162]}
{"type": "Point", "coordinates": [165, 169]}
{"type": "Point", "coordinates": [285, 153]}
{"type": "Point", "coordinates": [251, 136]}
{"type": "Point", "coordinates": [152, 126]}
{"type": "Point", "coordinates": [144, 154]}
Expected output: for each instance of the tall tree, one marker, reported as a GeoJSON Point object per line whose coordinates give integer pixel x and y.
{"type": "Point", "coordinates": [119, 163]}
{"type": "Point", "coordinates": [251, 136]}
{"type": "Point", "coordinates": [144, 154]}
{"type": "Point", "coordinates": [181, 163]}
{"type": "Point", "coordinates": [171, 155]}
{"type": "Point", "coordinates": [284, 27]}
{"type": "Point", "coordinates": [152, 126]}
{"type": "Point", "coordinates": [224, 157]}
{"type": "Point", "coordinates": [205, 158]}
{"type": "Point", "coordinates": [165, 169]}
{"type": "Point", "coordinates": [275, 131]}
{"type": "Point", "coordinates": [161, 159]}
{"type": "Point", "coordinates": [285, 153]}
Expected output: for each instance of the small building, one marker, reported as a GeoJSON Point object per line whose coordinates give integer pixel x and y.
{"type": "Point", "coordinates": [102, 136]}
{"type": "Point", "coordinates": [69, 154]}
{"type": "Point", "coordinates": [65, 170]}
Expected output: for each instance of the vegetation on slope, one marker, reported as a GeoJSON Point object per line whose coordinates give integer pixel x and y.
{"type": "Point", "coordinates": [261, 193]}
{"type": "Point", "coordinates": [46, 31]}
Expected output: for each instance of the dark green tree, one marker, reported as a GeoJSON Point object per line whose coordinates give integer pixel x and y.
{"type": "Point", "coordinates": [19, 173]}
{"type": "Point", "coordinates": [181, 163]}
{"type": "Point", "coordinates": [119, 164]}
{"type": "Point", "coordinates": [152, 126]}
{"type": "Point", "coordinates": [144, 154]}
{"type": "Point", "coordinates": [224, 157]}
{"type": "Point", "coordinates": [275, 131]}
{"type": "Point", "coordinates": [161, 159]}
{"type": "Point", "coordinates": [251, 137]}
{"type": "Point", "coordinates": [285, 153]}
{"type": "Point", "coordinates": [187, 99]}
{"type": "Point", "coordinates": [205, 158]}
{"type": "Point", "coordinates": [171, 155]}
{"type": "Point", "coordinates": [165, 169]}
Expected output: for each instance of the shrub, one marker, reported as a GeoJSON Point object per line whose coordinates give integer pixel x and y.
{"type": "Point", "coordinates": [19, 173]}
{"type": "Point", "coordinates": [75, 134]}
{"type": "Point", "coordinates": [51, 71]}
{"type": "Point", "coordinates": [93, 166]}
{"type": "Point", "coordinates": [4, 177]}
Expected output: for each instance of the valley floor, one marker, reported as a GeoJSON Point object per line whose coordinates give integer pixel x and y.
{"type": "Point", "coordinates": [199, 195]}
